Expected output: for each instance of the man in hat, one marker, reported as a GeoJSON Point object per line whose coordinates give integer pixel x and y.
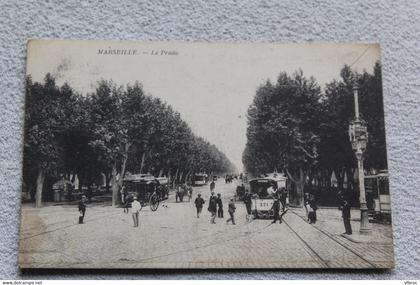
{"type": "Point", "coordinates": [248, 202]}
{"type": "Point", "coordinates": [199, 202]}
{"type": "Point", "coordinates": [82, 209]}
{"type": "Point", "coordinates": [135, 210]}
{"type": "Point", "coordinates": [345, 208]}
{"type": "Point", "coordinates": [219, 206]}
{"type": "Point", "coordinates": [212, 207]}
{"type": "Point", "coordinates": [231, 211]}
{"type": "Point", "coordinates": [276, 210]}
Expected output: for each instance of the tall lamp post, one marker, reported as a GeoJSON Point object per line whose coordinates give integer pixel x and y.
{"type": "Point", "coordinates": [358, 138]}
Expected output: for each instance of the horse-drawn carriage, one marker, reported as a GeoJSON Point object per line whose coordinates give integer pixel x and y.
{"type": "Point", "coordinates": [148, 189]}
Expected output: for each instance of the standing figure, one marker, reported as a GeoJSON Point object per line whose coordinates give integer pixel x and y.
{"type": "Point", "coordinates": [212, 186]}
{"type": "Point", "coordinates": [248, 202]}
{"type": "Point", "coordinates": [312, 207]}
{"type": "Point", "coordinates": [306, 203]}
{"type": "Point", "coordinates": [345, 208]}
{"type": "Point", "coordinates": [123, 194]}
{"type": "Point", "coordinates": [231, 211]}
{"type": "Point", "coordinates": [219, 206]}
{"type": "Point", "coordinates": [190, 190]}
{"type": "Point", "coordinates": [177, 190]}
{"type": "Point", "coordinates": [135, 210]}
{"type": "Point", "coordinates": [276, 210]}
{"type": "Point", "coordinates": [82, 209]}
{"type": "Point", "coordinates": [181, 192]}
{"type": "Point", "coordinates": [128, 201]}
{"type": "Point", "coordinates": [212, 207]}
{"type": "Point", "coordinates": [283, 198]}
{"type": "Point", "coordinates": [199, 202]}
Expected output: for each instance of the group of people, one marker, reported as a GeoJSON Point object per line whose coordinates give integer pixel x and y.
{"type": "Point", "coordinates": [215, 207]}
{"type": "Point", "coordinates": [229, 178]}
{"type": "Point", "coordinates": [181, 190]}
{"type": "Point", "coordinates": [345, 208]}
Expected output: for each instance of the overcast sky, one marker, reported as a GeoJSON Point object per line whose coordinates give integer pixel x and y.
{"type": "Point", "coordinates": [211, 85]}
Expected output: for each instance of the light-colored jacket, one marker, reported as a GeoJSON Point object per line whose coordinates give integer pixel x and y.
{"type": "Point", "coordinates": [135, 206]}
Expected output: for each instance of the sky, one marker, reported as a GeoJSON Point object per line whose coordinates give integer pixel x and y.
{"type": "Point", "coordinates": [210, 84]}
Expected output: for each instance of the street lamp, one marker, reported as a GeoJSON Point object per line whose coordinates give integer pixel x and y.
{"type": "Point", "coordinates": [358, 138]}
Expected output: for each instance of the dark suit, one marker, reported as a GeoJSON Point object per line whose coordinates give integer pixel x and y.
{"type": "Point", "coordinates": [346, 218]}
{"type": "Point", "coordinates": [219, 208]}
{"type": "Point", "coordinates": [82, 211]}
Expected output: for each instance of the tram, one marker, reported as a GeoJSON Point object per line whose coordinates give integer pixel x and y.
{"type": "Point", "coordinates": [200, 179]}
{"type": "Point", "coordinates": [378, 198]}
{"type": "Point", "coordinates": [263, 191]}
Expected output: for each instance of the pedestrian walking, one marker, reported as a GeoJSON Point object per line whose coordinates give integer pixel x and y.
{"type": "Point", "coordinates": [82, 209]}
{"type": "Point", "coordinates": [135, 210]}
{"type": "Point", "coordinates": [231, 210]}
{"type": "Point", "coordinates": [212, 208]}
{"type": "Point", "coordinates": [219, 206]}
{"type": "Point", "coordinates": [345, 208]}
{"type": "Point", "coordinates": [276, 210]}
{"type": "Point", "coordinates": [189, 191]}
{"type": "Point", "coordinates": [199, 202]}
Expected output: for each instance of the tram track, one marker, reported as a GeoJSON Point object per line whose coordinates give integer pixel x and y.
{"type": "Point", "coordinates": [318, 258]}
{"type": "Point", "coordinates": [372, 265]}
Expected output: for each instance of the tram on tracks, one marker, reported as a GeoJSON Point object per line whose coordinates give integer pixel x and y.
{"type": "Point", "coordinates": [264, 190]}
{"type": "Point", "coordinates": [200, 179]}
{"type": "Point", "coordinates": [378, 198]}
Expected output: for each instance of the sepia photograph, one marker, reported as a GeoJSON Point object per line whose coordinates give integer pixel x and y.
{"type": "Point", "coordinates": [193, 155]}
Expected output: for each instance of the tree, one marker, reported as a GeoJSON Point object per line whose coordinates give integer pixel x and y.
{"type": "Point", "coordinates": [44, 122]}
{"type": "Point", "coordinates": [283, 129]}
{"type": "Point", "coordinates": [108, 134]}
{"type": "Point", "coordinates": [110, 131]}
{"type": "Point", "coordinates": [294, 127]}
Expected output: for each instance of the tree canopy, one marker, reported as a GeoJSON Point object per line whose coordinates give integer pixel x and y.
{"type": "Point", "coordinates": [111, 131]}
{"type": "Point", "coordinates": [295, 127]}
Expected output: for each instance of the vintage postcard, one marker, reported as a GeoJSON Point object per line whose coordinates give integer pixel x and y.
{"type": "Point", "coordinates": [204, 155]}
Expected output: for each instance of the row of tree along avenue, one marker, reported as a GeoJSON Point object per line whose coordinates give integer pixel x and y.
{"type": "Point", "coordinates": [108, 133]}
{"type": "Point", "coordinates": [296, 126]}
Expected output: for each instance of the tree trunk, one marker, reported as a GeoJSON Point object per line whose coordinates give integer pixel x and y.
{"type": "Point", "coordinates": [125, 158]}
{"type": "Point", "coordinates": [143, 158]}
{"type": "Point", "coordinates": [114, 185]}
{"type": "Point", "coordinates": [187, 177]}
{"type": "Point", "coordinates": [169, 175]}
{"type": "Point", "coordinates": [175, 177]}
{"type": "Point", "coordinates": [296, 197]}
{"type": "Point", "coordinates": [107, 178]}
{"type": "Point", "coordinates": [39, 186]}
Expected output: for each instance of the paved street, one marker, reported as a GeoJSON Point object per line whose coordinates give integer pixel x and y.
{"type": "Point", "coordinates": [173, 237]}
